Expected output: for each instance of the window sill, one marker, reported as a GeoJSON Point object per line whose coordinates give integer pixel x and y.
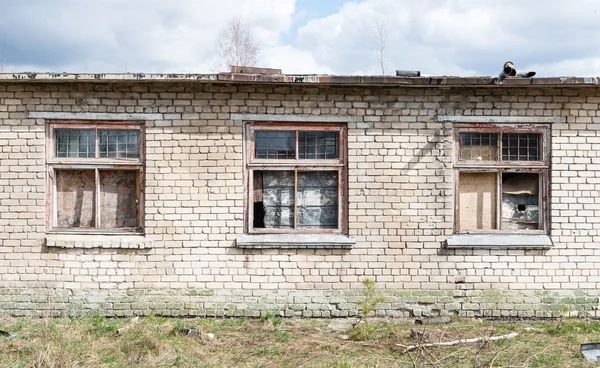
{"type": "Point", "coordinates": [499, 241]}
{"type": "Point", "coordinates": [320, 241]}
{"type": "Point", "coordinates": [88, 241]}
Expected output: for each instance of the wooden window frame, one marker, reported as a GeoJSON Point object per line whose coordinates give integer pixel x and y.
{"type": "Point", "coordinates": [54, 163]}
{"type": "Point", "coordinates": [252, 164]}
{"type": "Point", "coordinates": [542, 168]}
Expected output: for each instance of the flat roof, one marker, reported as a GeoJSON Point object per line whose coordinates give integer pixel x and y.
{"type": "Point", "coordinates": [301, 79]}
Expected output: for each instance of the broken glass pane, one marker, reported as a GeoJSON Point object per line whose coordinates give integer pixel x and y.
{"type": "Point", "coordinates": [479, 146]}
{"type": "Point", "coordinates": [477, 201]}
{"type": "Point", "coordinates": [75, 198]}
{"type": "Point", "coordinates": [274, 199]}
{"type": "Point", "coordinates": [79, 143]}
{"type": "Point", "coordinates": [520, 201]}
{"type": "Point", "coordinates": [318, 199]}
{"type": "Point", "coordinates": [119, 143]}
{"type": "Point", "coordinates": [521, 147]}
{"type": "Point", "coordinates": [118, 198]}
{"type": "Point", "coordinates": [273, 144]}
{"type": "Point", "coordinates": [318, 145]}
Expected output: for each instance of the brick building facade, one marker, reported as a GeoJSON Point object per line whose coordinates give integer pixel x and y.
{"type": "Point", "coordinates": [237, 194]}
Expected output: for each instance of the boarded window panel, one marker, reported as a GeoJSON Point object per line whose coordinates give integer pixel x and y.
{"type": "Point", "coordinates": [277, 199]}
{"type": "Point", "coordinates": [118, 198]}
{"type": "Point", "coordinates": [75, 198]}
{"type": "Point", "coordinates": [520, 201]}
{"type": "Point", "coordinates": [477, 200]}
{"type": "Point", "coordinates": [318, 199]}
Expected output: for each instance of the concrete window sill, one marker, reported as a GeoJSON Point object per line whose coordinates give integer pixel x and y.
{"type": "Point", "coordinates": [319, 241]}
{"type": "Point", "coordinates": [88, 241]}
{"type": "Point", "coordinates": [499, 241]}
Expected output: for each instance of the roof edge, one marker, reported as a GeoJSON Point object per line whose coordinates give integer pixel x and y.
{"type": "Point", "coordinates": [304, 79]}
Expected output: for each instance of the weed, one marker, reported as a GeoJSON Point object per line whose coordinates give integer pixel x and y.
{"type": "Point", "coordinates": [282, 336]}
{"type": "Point", "coordinates": [275, 320]}
{"type": "Point", "coordinates": [362, 330]}
{"type": "Point", "coordinates": [337, 363]}
{"type": "Point", "coordinates": [100, 326]}
{"type": "Point", "coordinates": [270, 351]}
{"type": "Point", "coordinates": [20, 324]}
{"type": "Point", "coordinates": [108, 359]}
{"type": "Point", "coordinates": [267, 316]}
{"type": "Point", "coordinates": [230, 322]}
{"type": "Point", "coordinates": [183, 323]}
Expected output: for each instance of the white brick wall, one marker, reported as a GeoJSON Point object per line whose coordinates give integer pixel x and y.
{"type": "Point", "coordinates": [400, 203]}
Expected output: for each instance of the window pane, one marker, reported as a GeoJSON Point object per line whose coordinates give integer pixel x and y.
{"type": "Point", "coordinates": [75, 198]}
{"type": "Point", "coordinates": [318, 199]}
{"type": "Point", "coordinates": [119, 143]}
{"type": "Point", "coordinates": [118, 198]}
{"type": "Point", "coordinates": [75, 143]}
{"type": "Point", "coordinates": [273, 199]}
{"type": "Point", "coordinates": [477, 201]}
{"type": "Point", "coordinates": [272, 144]}
{"type": "Point", "coordinates": [521, 147]}
{"type": "Point", "coordinates": [479, 146]}
{"type": "Point", "coordinates": [520, 201]}
{"type": "Point", "coordinates": [318, 145]}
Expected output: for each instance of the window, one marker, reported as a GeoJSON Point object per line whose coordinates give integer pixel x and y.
{"type": "Point", "coordinates": [501, 176]}
{"type": "Point", "coordinates": [95, 175]}
{"type": "Point", "coordinates": [296, 178]}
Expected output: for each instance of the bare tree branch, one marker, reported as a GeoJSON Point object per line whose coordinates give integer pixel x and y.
{"type": "Point", "coordinates": [237, 46]}
{"type": "Point", "coordinates": [380, 42]}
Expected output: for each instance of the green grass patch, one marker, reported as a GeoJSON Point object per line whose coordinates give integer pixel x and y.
{"type": "Point", "coordinates": [275, 342]}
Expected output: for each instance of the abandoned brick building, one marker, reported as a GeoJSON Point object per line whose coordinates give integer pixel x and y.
{"type": "Point", "coordinates": [236, 194]}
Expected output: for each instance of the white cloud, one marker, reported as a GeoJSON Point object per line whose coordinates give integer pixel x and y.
{"type": "Point", "coordinates": [293, 61]}
{"type": "Point", "coordinates": [451, 37]}
{"type": "Point", "coordinates": [459, 37]}
{"type": "Point", "coordinates": [131, 35]}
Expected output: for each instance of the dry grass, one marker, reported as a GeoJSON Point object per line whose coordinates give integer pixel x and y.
{"type": "Point", "coordinates": [272, 342]}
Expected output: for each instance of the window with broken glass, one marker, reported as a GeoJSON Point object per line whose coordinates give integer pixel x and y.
{"type": "Point", "coordinates": [501, 178]}
{"type": "Point", "coordinates": [95, 173]}
{"type": "Point", "coordinates": [296, 178]}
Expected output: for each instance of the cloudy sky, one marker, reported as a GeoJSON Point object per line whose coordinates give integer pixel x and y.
{"type": "Point", "coordinates": [437, 37]}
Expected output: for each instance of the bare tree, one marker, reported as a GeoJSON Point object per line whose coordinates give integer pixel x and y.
{"type": "Point", "coordinates": [380, 42]}
{"type": "Point", "coordinates": [2, 58]}
{"type": "Point", "coordinates": [237, 46]}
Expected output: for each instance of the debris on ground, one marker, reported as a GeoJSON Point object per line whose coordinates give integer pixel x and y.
{"type": "Point", "coordinates": [407, 348]}
{"type": "Point", "coordinates": [7, 334]}
{"type": "Point", "coordinates": [193, 332]}
{"type": "Point", "coordinates": [591, 351]}
{"type": "Point", "coordinates": [419, 335]}
{"type": "Point", "coordinates": [133, 322]}
{"type": "Point", "coordinates": [433, 321]}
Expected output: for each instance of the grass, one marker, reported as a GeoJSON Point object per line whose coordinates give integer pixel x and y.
{"type": "Point", "coordinates": [275, 342]}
